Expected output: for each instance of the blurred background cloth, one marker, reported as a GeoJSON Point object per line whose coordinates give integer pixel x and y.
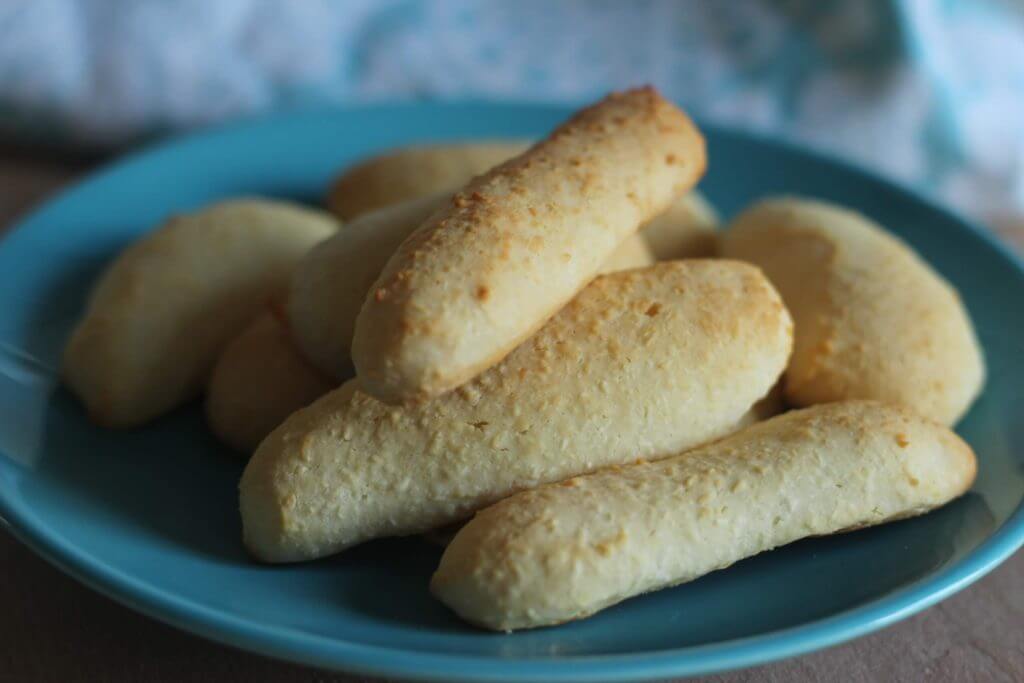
{"type": "Point", "coordinates": [927, 91]}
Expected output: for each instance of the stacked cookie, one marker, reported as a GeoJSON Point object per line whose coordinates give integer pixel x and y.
{"type": "Point", "coordinates": [553, 342]}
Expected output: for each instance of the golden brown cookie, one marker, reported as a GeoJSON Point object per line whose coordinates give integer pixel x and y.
{"type": "Point", "coordinates": [567, 550]}
{"type": "Point", "coordinates": [642, 364]}
{"type": "Point", "coordinates": [517, 243]}
{"type": "Point", "coordinates": [873, 320]}
{"type": "Point", "coordinates": [163, 310]}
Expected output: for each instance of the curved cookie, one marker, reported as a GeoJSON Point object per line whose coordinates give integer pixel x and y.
{"type": "Point", "coordinates": [330, 284]}
{"type": "Point", "coordinates": [570, 549]}
{"type": "Point", "coordinates": [164, 309]}
{"type": "Point", "coordinates": [413, 172]}
{"type": "Point", "coordinates": [519, 242]}
{"type": "Point", "coordinates": [643, 363]}
{"type": "Point", "coordinates": [258, 381]}
{"type": "Point", "coordinates": [873, 320]}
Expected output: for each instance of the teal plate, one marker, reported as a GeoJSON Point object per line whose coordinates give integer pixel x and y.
{"type": "Point", "coordinates": [149, 516]}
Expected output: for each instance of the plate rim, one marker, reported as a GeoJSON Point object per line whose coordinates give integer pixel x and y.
{"type": "Point", "coordinates": [316, 650]}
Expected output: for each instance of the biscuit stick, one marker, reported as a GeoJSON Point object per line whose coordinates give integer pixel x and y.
{"type": "Point", "coordinates": [641, 364]}
{"type": "Point", "coordinates": [517, 243]}
{"type": "Point", "coordinates": [330, 282]}
{"type": "Point", "coordinates": [873, 319]}
{"type": "Point", "coordinates": [565, 551]}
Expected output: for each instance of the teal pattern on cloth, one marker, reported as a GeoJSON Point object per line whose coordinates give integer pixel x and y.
{"type": "Point", "coordinates": [927, 91]}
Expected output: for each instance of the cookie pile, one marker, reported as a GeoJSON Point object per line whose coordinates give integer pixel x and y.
{"type": "Point", "coordinates": [555, 343]}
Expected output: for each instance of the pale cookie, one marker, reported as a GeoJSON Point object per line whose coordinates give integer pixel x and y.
{"type": "Point", "coordinates": [414, 172]}
{"type": "Point", "coordinates": [330, 284]}
{"type": "Point", "coordinates": [164, 309]}
{"type": "Point", "coordinates": [873, 320]}
{"type": "Point", "coordinates": [642, 364]}
{"type": "Point", "coordinates": [258, 381]}
{"type": "Point", "coordinates": [517, 243]}
{"type": "Point", "coordinates": [568, 550]}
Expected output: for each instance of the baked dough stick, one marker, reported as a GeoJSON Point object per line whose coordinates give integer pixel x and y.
{"type": "Point", "coordinates": [414, 172]}
{"type": "Point", "coordinates": [518, 242]}
{"type": "Point", "coordinates": [643, 363]}
{"type": "Point", "coordinates": [330, 284]}
{"type": "Point", "coordinates": [687, 229]}
{"type": "Point", "coordinates": [873, 320]}
{"type": "Point", "coordinates": [162, 312]}
{"type": "Point", "coordinates": [258, 381]}
{"type": "Point", "coordinates": [565, 551]}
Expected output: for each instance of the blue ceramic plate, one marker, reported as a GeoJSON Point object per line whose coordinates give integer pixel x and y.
{"type": "Point", "coordinates": [149, 516]}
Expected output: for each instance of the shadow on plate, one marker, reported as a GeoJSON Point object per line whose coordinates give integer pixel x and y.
{"type": "Point", "coordinates": [405, 598]}
{"type": "Point", "coordinates": [170, 478]}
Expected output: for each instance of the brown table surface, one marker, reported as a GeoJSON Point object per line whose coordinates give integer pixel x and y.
{"type": "Point", "coordinates": [54, 629]}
